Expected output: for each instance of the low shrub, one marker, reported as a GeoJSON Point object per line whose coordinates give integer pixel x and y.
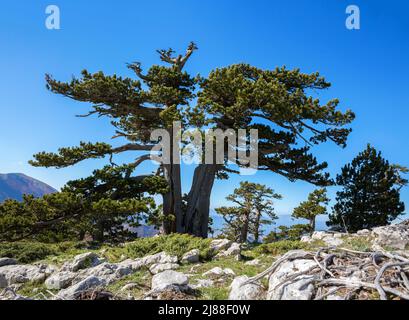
{"type": "Point", "coordinates": [279, 247]}
{"type": "Point", "coordinates": [27, 252]}
{"type": "Point", "coordinates": [359, 244]}
{"type": "Point", "coordinates": [174, 244]}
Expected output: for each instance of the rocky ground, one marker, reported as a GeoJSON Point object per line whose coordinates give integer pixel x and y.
{"type": "Point", "coordinates": [371, 264]}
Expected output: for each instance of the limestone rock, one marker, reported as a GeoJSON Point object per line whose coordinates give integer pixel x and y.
{"type": "Point", "coordinates": [218, 245]}
{"type": "Point", "coordinates": [233, 250]}
{"type": "Point", "coordinates": [169, 278]}
{"type": "Point", "coordinates": [160, 267]}
{"type": "Point", "coordinates": [161, 257]}
{"type": "Point", "coordinates": [22, 273]}
{"type": "Point", "coordinates": [50, 269]}
{"type": "Point", "coordinates": [250, 291]}
{"type": "Point", "coordinates": [393, 236]}
{"type": "Point", "coordinates": [7, 262]}
{"type": "Point", "coordinates": [108, 272]}
{"type": "Point", "coordinates": [333, 241]}
{"type": "Point", "coordinates": [3, 281]}
{"type": "Point", "coordinates": [218, 272]}
{"type": "Point", "coordinates": [306, 239]}
{"type": "Point", "coordinates": [169, 284]}
{"type": "Point", "coordinates": [254, 262]}
{"type": "Point", "coordinates": [82, 261]}
{"type": "Point", "coordinates": [60, 280]}
{"type": "Point", "coordinates": [300, 288]}
{"type": "Point", "coordinates": [71, 293]}
{"type": "Point", "coordinates": [135, 265]}
{"type": "Point", "coordinates": [9, 294]}
{"type": "Point", "coordinates": [192, 256]}
{"type": "Point", "coordinates": [363, 232]}
{"type": "Point", "coordinates": [329, 238]}
{"type": "Point", "coordinates": [203, 283]}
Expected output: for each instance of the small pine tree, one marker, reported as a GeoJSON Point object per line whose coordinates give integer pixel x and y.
{"type": "Point", "coordinates": [370, 193]}
{"type": "Point", "coordinates": [254, 208]}
{"type": "Point", "coordinates": [292, 233]}
{"type": "Point", "coordinates": [314, 206]}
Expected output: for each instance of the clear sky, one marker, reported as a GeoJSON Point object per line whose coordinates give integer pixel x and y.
{"type": "Point", "coordinates": [368, 68]}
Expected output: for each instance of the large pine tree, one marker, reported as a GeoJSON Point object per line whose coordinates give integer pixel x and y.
{"type": "Point", "coordinates": [279, 103]}
{"type": "Point", "coordinates": [370, 193]}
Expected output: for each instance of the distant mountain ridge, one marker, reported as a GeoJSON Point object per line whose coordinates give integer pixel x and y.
{"type": "Point", "coordinates": [15, 185]}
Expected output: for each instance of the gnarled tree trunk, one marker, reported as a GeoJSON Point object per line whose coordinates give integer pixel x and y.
{"type": "Point", "coordinates": [244, 228]}
{"type": "Point", "coordinates": [196, 219]}
{"type": "Point", "coordinates": [312, 225]}
{"type": "Point", "coordinates": [172, 201]}
{"type": "Point", "coordinates": [257, 226]}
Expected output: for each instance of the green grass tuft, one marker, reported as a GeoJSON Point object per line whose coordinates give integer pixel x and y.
{"type": "Point", "coordinates": [174, 244]}
{"type": "Point", "coordinates": [358, 243]}
{"type": "Point", "coordinates": [280, 247]}
{"type": "Point", "coordinates": [28, 252]}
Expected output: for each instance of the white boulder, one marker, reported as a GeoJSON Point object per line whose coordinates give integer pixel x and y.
{"type": "Point", "coordinates": [363, 232]}
{"type": "Point", "coordinates": [169, 278]}
{"type": "Point", "coordinates": [233, 251]}
{"type": "Point", "coordinates": [161, 257]}
{"type": "Point", "coordinates": [60, 280]}
{"type": "Point", "coordinates": [193, 256]}
{"type": "Point", "coordinates": [160, 267]}
{"type": "Point", "coordinates": [249, 291]}
{"type": "Point", "coordinates": [218, 245]}
{"type": "Point", "coordinates": [283, 287]}
{"type": "Point", "coordinates": [82, 261]}
{"type": "Point", "coordinates": [108, 272]}
{"type": "Point", "coordinates": [254, 262]}
{"type": "Point", "coordinates": [3, 281]}
{"type": "Point", "coordinates": [7, 262]}
{"type": "Point", "coordinates": [135, 265]}
{"type": "Point", "coordinates": [73, 292]}
{"type": "Point", "coordinates": [394, 237]}
{"type": "Point", "coordinates": [218, 272]}
{"type": "Point", "coordinates": [331, 239]}
{"type": "Point", "coordinates": [203, 283]}
{"type": "Point", "coordinates": [22, 273]}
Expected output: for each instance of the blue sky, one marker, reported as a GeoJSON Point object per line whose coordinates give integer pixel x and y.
{"type": "Point", "coordinates": [368, 69]}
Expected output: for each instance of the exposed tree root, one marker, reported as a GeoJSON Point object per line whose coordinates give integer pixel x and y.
{"type": "Point", "coordinates": [361, 275]}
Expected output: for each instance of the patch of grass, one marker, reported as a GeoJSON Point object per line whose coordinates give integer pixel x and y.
{"type": "Point", "coordinates": [213, 293]}
{"type": "Point", "coordinates": [279, 247]}
{"type": "Point", "coordinates": [33, 289]}
{"type": "Point", "coordinates": [239, 267]}
{"type": "Point", "coordinates": [220, 291]}
{"type": "Point", "coordinates": [28, 252]}
{"type": "Point", "coordinates": [174, 244]}
{"type": "Point", "coordinates": [141, 278]}
{"type": "Point", "coordinates": [358, 243]}
{"type": "Point", "coordinates": [57, 253]}
{"type": "Point", "coordinates": [314, 244]}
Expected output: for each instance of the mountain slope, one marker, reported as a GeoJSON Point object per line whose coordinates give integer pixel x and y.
{"type": "Point", "coordinates": [15, 185]}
